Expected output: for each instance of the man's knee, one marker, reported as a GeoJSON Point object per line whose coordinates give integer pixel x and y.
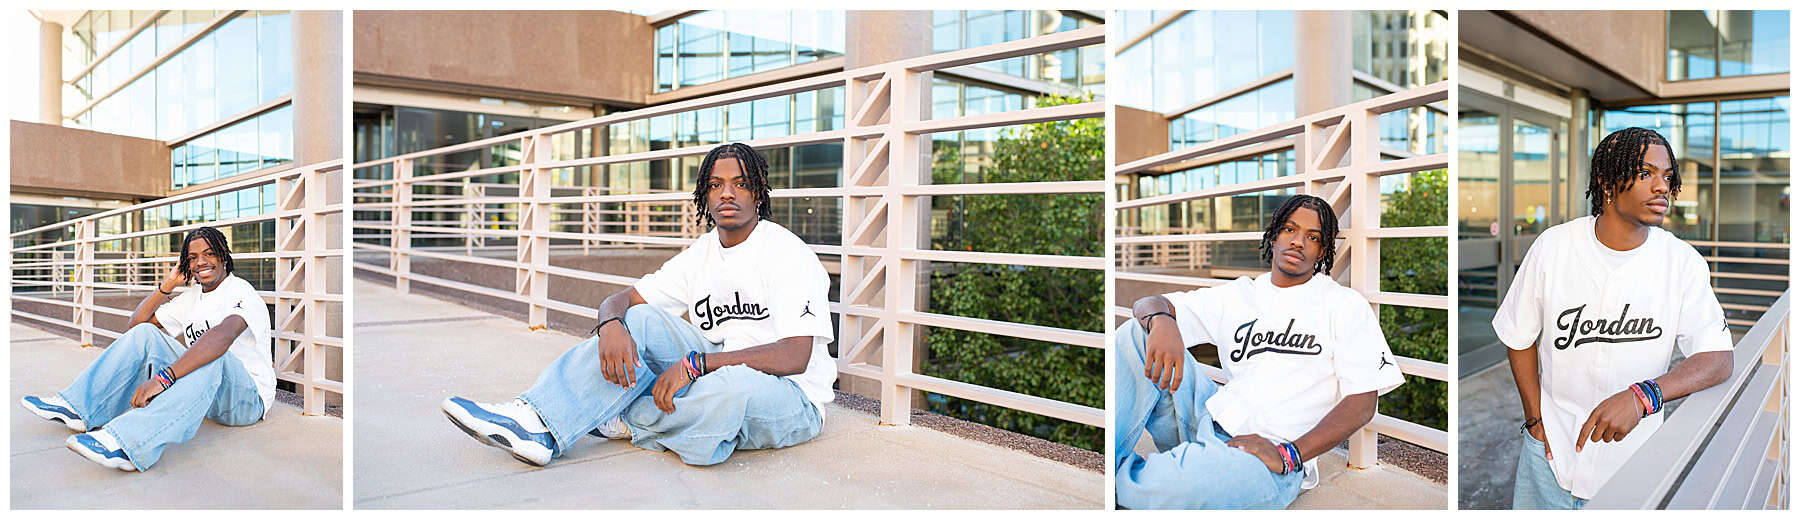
{"type": "Point", "coordinates": [644, 318]}
{"type": "Point", "coordinates": [141, 336]}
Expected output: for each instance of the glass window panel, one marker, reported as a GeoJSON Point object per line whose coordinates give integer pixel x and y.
{"type": "Point", "coordinates": [275, 54]}
{"type": "Point", "coordinates": [1692, 41]}
{"type": "Point", "coordinates": [235, 56]}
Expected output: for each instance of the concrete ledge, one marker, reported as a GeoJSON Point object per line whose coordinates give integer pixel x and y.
{"type": "Point", "coordinates": [286, 461]}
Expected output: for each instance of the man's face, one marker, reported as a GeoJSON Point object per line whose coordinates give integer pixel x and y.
{"type": "Point", "coordinates": [1300, 243]}
{"type": "Point", "coordinates": [1647, 201]}
{"type": "Point", "coordinates": [204, 265]}
{"type": "Point", "coordinates": [728, 196]}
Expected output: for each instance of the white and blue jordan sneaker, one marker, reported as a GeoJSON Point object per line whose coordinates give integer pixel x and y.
{"type": "Point", "coordinates": [54, 408]}
{"type": "Point", "coordinates": [513, 426]}
{"type": "Point", "coordinates": [614, 429]}
{"type": "Point", "coordinates": [102, 448]}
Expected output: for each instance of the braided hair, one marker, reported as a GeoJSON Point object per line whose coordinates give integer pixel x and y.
{"type": "Point", "coordinates": [1328, 227]}
{"type": "Point", "coordinates": [1616, 162]}
{"type": "Point", "coordinates": [756, 176]}
{"type": "Point", "coordinates": [213, 238]}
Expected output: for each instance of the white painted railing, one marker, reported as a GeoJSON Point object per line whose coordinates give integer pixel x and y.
{"type": "Point", "coordinates": [70, 272]}
{"type": "Point", "coordinates": [1724, 447]}
{"type": "Point", "coordinates": [1338, 156]}
{"type": "Point", "coordinates": [885, 191]}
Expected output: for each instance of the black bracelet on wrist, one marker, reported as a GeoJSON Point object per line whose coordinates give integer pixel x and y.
{"type": "Point", "coordinates": [1145, 321]}
{"type": "Point", "coordinates": [1529, 422]}
{"type": "Point", "coordinates": [603, 323]}
{"type": "Point", "coordinates": [165, 293]}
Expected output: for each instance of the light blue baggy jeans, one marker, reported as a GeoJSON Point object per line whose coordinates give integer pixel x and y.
{"type": "Point", "coordinates": [1534, 484]}
{"type": "Point", "coordinates": [221, 390]}
{"type": "Point", "coordinates": [1193, 468]}
{"type": "Point", "coordinates": [731, 408]}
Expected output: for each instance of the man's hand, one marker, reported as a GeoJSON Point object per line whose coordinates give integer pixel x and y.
{"type": "Point", "coordinates": [671, 380]}
{"type": "Point", "coordinates": [618, 355]}
{"type": "Point", "coordinates": [145, 391]}
{"type": "Point", "coordinates": [1536, 431]}
{"type": "Point", "coordinates": [1262, 449]}
{"type": "Point", "coordinates": [1164, 355]}
{"type": "Point", "coordinates": [1612, 420]}
{"type": "Point", "coordinates": [173, 280]}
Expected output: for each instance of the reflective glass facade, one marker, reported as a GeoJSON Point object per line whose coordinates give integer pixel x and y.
{"type": "Point", "coordinates": [1084, 68]}
{"type": "Point", "coordinates": [1202, 54]}
{"type": "Point", "coordinates": [1716, 44]}
{"type": "Point", "coordinates": [715, 45]}
{"type": "Point", "coordinates": [246, 62]}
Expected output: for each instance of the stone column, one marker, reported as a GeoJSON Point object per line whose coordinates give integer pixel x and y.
{"type": "Point", "coordinates": [50, 80]}
{"type": "Point", "coordinates": [318, 86]}
{"type": "Point", "coordinates": [1322, 60]}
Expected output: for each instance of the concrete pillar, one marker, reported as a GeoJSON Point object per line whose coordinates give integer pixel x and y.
{"type": "Point", "coordinates": [874, 38]}
{"type": "Point", "coordinates": [50, 73]}
{"type": "Point", "coordinates": [1575, 181]}
{"type": "Point", "coordinates": [318, 86]}
{"type": "Point", "coordinates": [1141, 133]}
{"type": "Point", "coordinates": [1322, 60]}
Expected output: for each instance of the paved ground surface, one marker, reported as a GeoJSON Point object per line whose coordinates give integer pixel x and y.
{"type": "Point", "coordinates": [1384, 486]}
{"type": "Point", "coordinates": [286, 461]}
{"type": "Point", "coordinates": [412, 351]}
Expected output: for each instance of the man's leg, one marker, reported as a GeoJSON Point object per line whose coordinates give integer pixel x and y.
{"type": "Point", "coordinates": [1534, 484]}
{"type": "Point", "coordinates": [172, 417]}
{"type": "Point", "coordinates": [572, 396]}
{"type": "Point", "coordinates": [103, 390]}
{"type": "Point", "coordinates": [733, 408]}
{"type": "Point", "coordinates": [236, 403]}
{"type": "Point", "coordinates": [1194, 469]}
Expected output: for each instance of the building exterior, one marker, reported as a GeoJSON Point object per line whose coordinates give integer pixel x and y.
{"type": "Point", "coordinates": [176, 119]}
{"type": "Point", "coordinates": [137, 105]}
{"type": "Point", "coordinates": [539, 69]}
{"type": "Point", "coordinates": [1213, 74]}
{"type": "Point", "coordinates": [1538, 91]}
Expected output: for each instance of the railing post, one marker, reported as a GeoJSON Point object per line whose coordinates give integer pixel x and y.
{"type": "Point", "coordinates": [907, 166]}
{"type": "Point", "coordinates": [401, 238]}
{"type": "Point", "coordinates": [534, 220]}
{"type": "Point", "coordinates": [1365, 262]}
{"type": "Point", "coordinates": [84, 280]}
{"type": "Point", "coordinates": [312, 398]}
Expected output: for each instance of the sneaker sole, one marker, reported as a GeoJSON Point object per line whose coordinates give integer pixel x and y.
{"type": "Point", "coordinates": [490, 439]}
{"type": "Point", "coordinates": [52, 416]}
{"type": "Point", "coordinates": [96, 458]}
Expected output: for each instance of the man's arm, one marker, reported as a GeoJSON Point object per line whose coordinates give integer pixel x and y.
{"type": "Point", "coordinates": [784, 357]}
{"type": "Point", "coordinates": [146, 310]}
{"type": "Point", "coordinates": [1164, 356]}
{"type": "Point", "coordinates": [618, 354]}
{"type": "Point", "coordinates": [1351, 413]}
{"type": "Point", "coordinates": [1615, 417]}
{"type": "Point", "coordinates": [1524, 364]}
{"type": "Point", "coordinates": [207, 349]}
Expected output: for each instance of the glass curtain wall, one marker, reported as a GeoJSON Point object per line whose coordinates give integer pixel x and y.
{"type": "Point", "coordinates": [243, 63]}
{"type": "Point", "coordinates": [715, 45]}
{"type": "Point", "coordinates": [1717, 44]}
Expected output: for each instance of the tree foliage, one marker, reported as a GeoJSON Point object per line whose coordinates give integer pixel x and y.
{"type": "Point", "coordinates": [1060, 224]}
{"type": "Point", "coordinates": [1417, 266]}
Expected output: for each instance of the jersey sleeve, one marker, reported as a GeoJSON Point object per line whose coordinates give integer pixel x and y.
{"type": "Point", "coordinates": [248, 305]}
{"type": "Point", "coordinates": [173, 314]}
{"type": "Point", "coordinates": [799, 290]}
{"type": "Point", "coordinates": [1196, 313]}
{"type": "Point", "coordinates": [1361, 358]}
{"type": "Point", "coordinates": [671, 287]}
{"type": "Point", "coordinates": [1520, 317]}
{"type": "Point", "coordinates": [1701, 326]}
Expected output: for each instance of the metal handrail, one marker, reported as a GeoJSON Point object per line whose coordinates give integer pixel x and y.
{"type": "Point", "coordinates": [1722, 447]}
{"type": "Point", "coordinates": [301, 288]}
{"type": "Point", "coordinates": [1339, 157]}
{"type": "Point", "coordinates": [883, 184]}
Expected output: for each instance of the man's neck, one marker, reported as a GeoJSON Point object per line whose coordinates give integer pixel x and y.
{"type": "Point", "coordinates": [732, 237]}
{"type": "Point", "coordinates": [215, 285]}
{"type": "Point", "coordinates": [1284, 280]}
{"type": "Point", "coordinates": [1618, 233]}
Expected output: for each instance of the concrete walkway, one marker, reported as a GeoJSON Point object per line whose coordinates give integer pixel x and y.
{"type": "Point", "coordinates": [286, 461]}
{"type": "Point", "coordinates": [412, 351]}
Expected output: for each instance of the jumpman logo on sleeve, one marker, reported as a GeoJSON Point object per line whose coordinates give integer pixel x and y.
{"type": "Point", "coordinates": [1384, 362]}
{"type": "Point", "coordinates": [807, 311]}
